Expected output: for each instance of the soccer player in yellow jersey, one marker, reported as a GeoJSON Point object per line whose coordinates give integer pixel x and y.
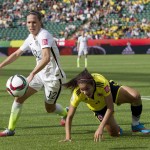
{"type": "Point", "coordinates": [99, 94]}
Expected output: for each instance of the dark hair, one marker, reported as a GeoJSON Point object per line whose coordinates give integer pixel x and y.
{"type": "Point", "coordinates": [83, 77]}
{"type": "Point", "coordinates": [38, 14]}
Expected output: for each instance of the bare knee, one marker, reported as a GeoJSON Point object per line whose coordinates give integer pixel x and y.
{"type": "Point", "coordinates": [113, 131]}
{"type": "Point", "coordinates": [136, 99]}
{"type": "Point", "coordinates": [129, 95]}
{"type": "Point", "coordinates": [114, 134]}
{"type": "Point", "coordinates": [50, 107]}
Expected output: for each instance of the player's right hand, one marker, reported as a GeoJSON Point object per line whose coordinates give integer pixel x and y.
{"type": "Point", "coordinates": [98, 136]}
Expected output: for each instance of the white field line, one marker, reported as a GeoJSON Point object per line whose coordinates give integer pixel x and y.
{"type": "Point", "coordinates": [147, 98]}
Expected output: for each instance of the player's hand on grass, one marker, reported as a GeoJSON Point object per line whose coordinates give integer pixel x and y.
{"type": "Point", "coordinates": [98, 136]}
{"type": "Point", "coordinates": [66, 140]}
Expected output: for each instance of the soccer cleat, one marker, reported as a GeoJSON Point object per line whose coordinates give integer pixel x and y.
{"type": "Point", "coordinates": [7, 132]}
{"type": "Point", "coordinates": [63, 119]}
{"type": "Point", "coordinates": [120, 132]}
{"type": "Point", "coordinates": [140, 128]}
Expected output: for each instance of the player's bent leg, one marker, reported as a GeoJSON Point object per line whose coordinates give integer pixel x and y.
{"type": "Point", "coordinates": [112, 128]}
{"type": "Point", "coordinates": [30, 91]}
{"type": "Point", "coordinates": [130, 95]}
{"type": "Point", "coordinates": [78, 61]}
{"type": "Point", "coordinates": [15, 113]}
{"type": "Point", "coordinates": [50, 108]}
{"type": "Point", "coordinates": [63, 118]}
{"type": "Point", "coordinates": [58, 109]}
{"type": "Point", "coordinates": [52, 92]}
{"type": "Point", "coordinates": [85, 59]}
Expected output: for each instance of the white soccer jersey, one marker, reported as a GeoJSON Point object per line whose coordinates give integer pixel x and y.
{"type": "Point", "coordinates": [44, 39]}
{"type": "Point", "coordinates": [83, 42]}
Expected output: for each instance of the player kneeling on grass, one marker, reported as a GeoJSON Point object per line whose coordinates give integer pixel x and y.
{"type": "Point", "coordinates": [99, 94]}
{"type": "Point", "coordinates": [47, 74]}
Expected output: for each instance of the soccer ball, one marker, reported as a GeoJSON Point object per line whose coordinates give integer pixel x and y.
{"type": "Point", "coordinates": [17, 85]}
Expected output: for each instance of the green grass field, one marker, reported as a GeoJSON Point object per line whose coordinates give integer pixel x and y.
{"type": "Point", "coordinates": [38, 130]}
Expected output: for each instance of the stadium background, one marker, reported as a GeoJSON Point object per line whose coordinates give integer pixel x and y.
{"type": "Point", "coordinates": [110, 24]}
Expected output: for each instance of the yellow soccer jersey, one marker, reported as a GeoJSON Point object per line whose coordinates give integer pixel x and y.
{"type": "Point", "coordinates": [102, 90]}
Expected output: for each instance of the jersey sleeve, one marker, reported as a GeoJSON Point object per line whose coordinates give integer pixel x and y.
{"type": "Point", "coordinates": [75, 99]}
{"type": "Point", "coordinates": [46, 40]}
{"type": "Point", "coordinates": [25, 45]}
{"type": "Point", "coordinates": [103, 83]}
{"type": "Point", "coordinates": [106, 89]}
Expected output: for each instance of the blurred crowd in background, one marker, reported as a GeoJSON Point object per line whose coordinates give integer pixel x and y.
{"type": "Point", "coordinates": [101, 19]}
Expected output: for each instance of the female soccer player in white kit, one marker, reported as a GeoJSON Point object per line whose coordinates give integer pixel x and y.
{"type": "Point", "coordinates": [46, 75]}
{"type": "Point", "coordinates": [82, 45]}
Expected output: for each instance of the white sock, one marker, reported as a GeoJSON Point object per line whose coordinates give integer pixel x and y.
{"type": "Point", "coordinates": [135, 121]}
{"type": "Point", "coordinates": [60, 110]}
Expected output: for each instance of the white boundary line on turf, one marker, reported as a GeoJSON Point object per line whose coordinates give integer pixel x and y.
{"type": "Point", "coordinates": [147, 98]}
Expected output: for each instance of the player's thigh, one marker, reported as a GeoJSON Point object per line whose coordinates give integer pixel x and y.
{"type": "Point", "coordinates": [30, 91]}
{"type": "Point", "coordinates": [80, 52]}
{"type": "Point", "coordinates": [34, 86]}
{"type": "Point", "coordinates": [52, 91]}
{"type": "Point", "coordinates": [128, 95]}
{"type": "Point", "coordinates": [50, 107]}
{"type": "Point", "coordinates": [85, 51]}
{"type": "Point", "coordinates": [112, 127]}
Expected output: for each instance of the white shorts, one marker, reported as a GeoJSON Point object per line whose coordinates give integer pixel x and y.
{"type": "Point", "coordinates": [52, 88]}
{"type": "Point", "coordinates": [82, 52]}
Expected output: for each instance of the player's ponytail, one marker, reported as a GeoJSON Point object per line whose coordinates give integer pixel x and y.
{"type": "Point", "coordinates": [83, 77]}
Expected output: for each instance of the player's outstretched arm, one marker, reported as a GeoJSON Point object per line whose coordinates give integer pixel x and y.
{"type": "Point", "coordinates": [68, 124]}
{"type": "Point", "coordinates": [11, 58]}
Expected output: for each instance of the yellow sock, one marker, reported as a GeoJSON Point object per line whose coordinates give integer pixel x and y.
{"type": "Point", "coordinates": [85, 62]}
{"type": "Point", "coordinates": [78, 62]}
{"type": "Point", "coordinates": [14, 116]}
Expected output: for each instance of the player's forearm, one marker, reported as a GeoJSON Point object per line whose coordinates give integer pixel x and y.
{"type": "Point", "coordinates": [9, 60]}
{"type": "Point", "coordinates": [108, 114]}
{"type": "Point", "coordinates": [68, 128]}
{"type": "Point", "coordinates": [40, 66]}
